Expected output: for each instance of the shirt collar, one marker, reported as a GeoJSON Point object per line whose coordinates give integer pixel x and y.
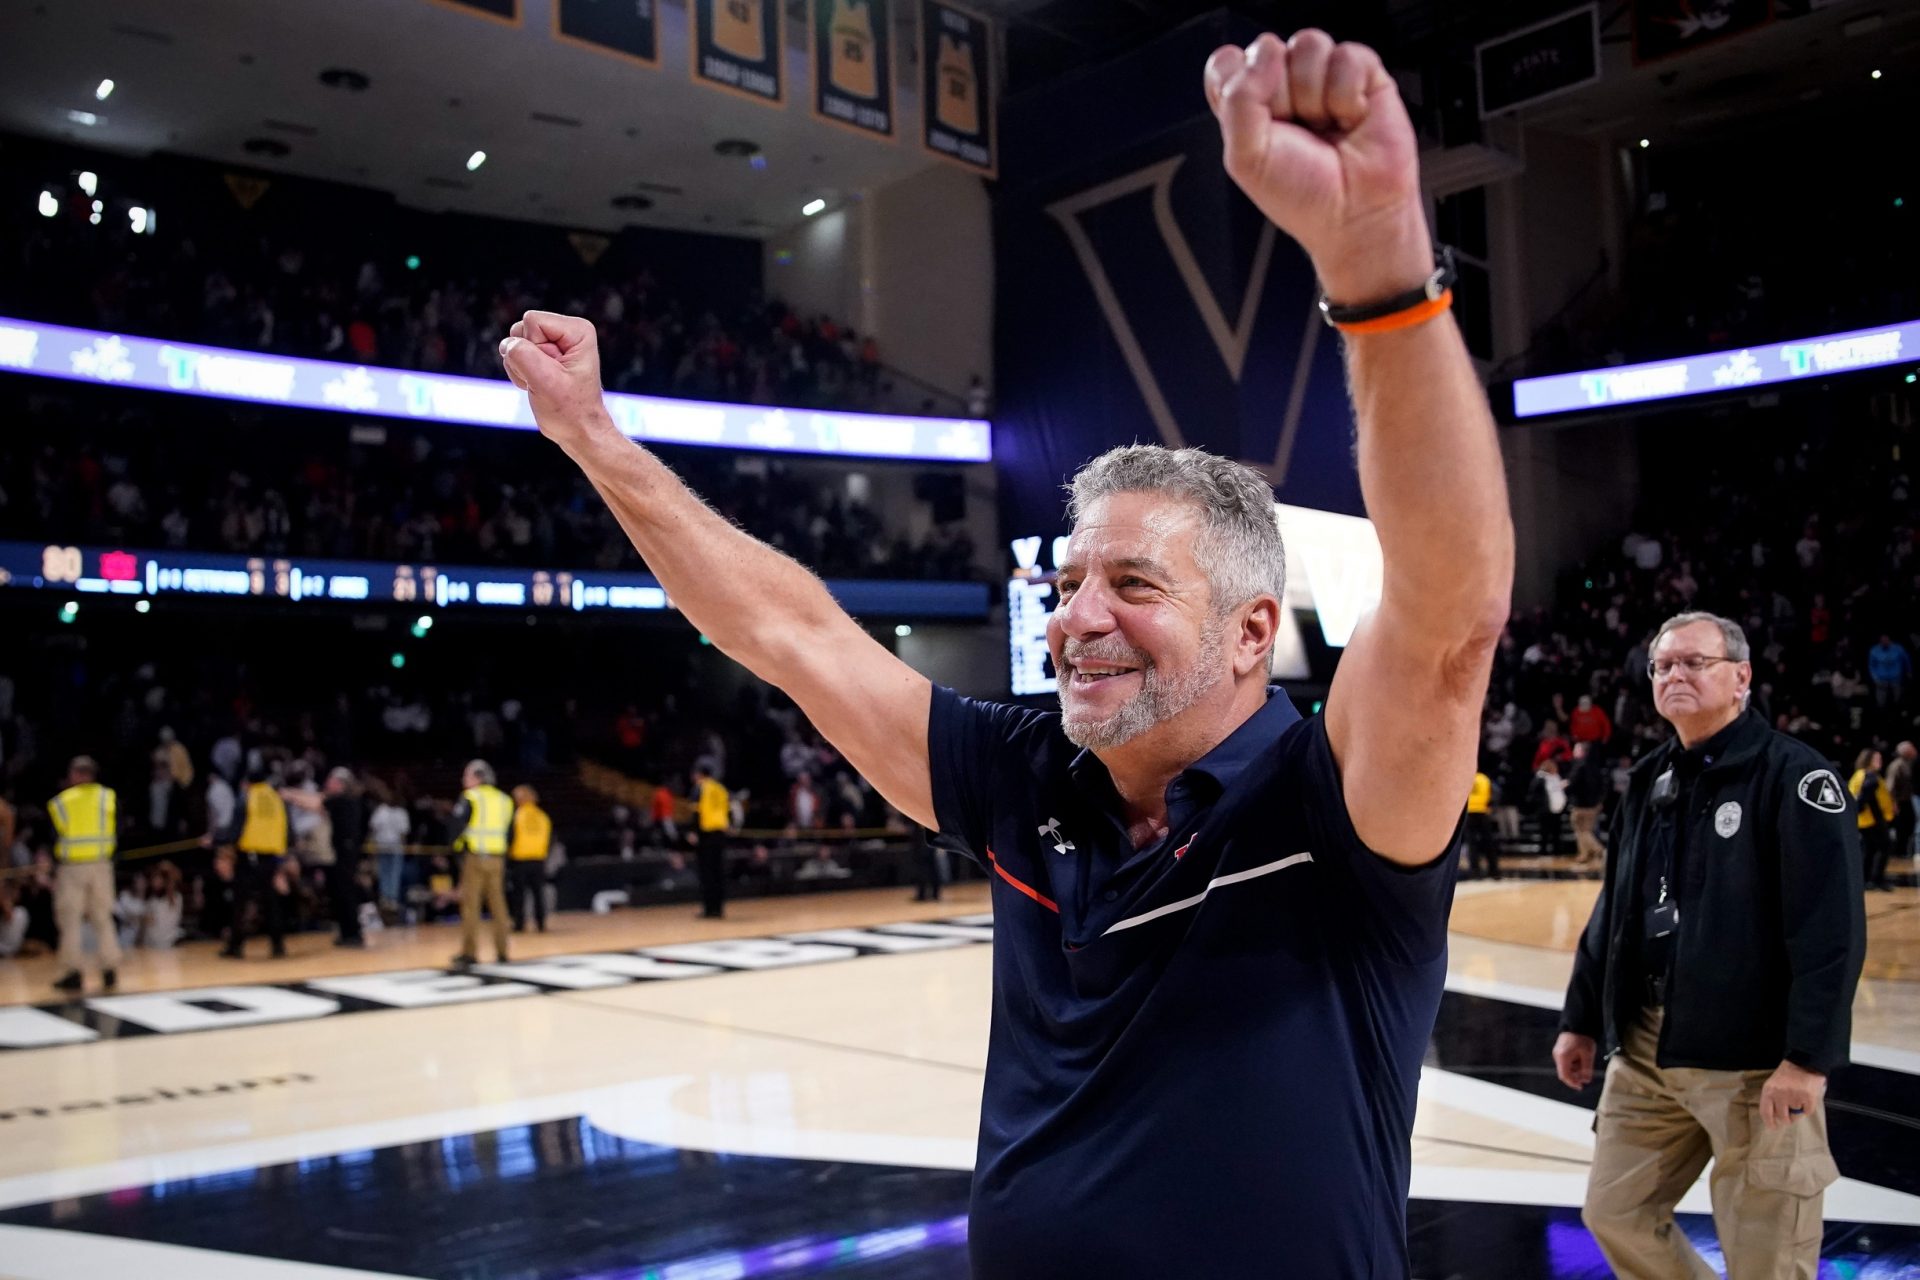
{"type": "Point", "coordinates": [1257, 733]}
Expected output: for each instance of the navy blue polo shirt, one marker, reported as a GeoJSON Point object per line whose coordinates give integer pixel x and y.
{"type": "Point", "coordinates": [1204, 1053]}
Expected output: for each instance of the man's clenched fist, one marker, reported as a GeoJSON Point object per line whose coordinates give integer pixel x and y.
{"type": "Point", "coordinates": [556, 361]}
{"type": "Point", "coordinates": [1317, 137]}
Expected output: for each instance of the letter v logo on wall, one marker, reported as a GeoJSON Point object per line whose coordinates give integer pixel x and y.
{"type": "Point", "coordinates": [1232, 340]}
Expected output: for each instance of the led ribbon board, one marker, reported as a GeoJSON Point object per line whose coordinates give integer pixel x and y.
{"type": "Point", "coordinates": [1720, 371]}
{"type": "Point", "coordinates": [305, 580]}
{"type": "Point", "coordinates": [150, 364]}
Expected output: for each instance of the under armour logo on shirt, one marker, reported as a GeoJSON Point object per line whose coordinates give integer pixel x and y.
{"type": "Point", "coordinates": [1052, 832]}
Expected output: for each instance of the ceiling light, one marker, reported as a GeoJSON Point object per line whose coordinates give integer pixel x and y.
{"type": "Point", "coordinates": [106, 87]}
{"type": "Point", "coordinates": [138, 217]}
{"type": "Point", "coordinates": [812, 207]}
{"type": "Point", "coordinates": [903, 631]}
{"type": "Point", "coordinates": [1645, 143]}
{"type": "Point", "coordinates": [83, 117]}
{"type": "Point", "coordinates": [90, 183]}
{"type": "Point", "coordinates": [49, 205]}
{"type": "Point", "coordinates": [475, 160]}
{"type": "Point", "coordinates": [1876, 73]}
{"type": "Point", "coordinates": [141, 606]}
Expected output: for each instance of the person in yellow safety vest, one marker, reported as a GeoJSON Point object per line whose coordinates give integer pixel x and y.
{"type": "Point", "coordinates": [86, 818]}
{"type": "Point", "coordinates": [479, 827]}
{"type": "Point", "coordinates": [714, 817]}
{"type": "Point", "coordinates": [259, 833]}
{"type": "Point", "coordinates": [527, 859]}
{"type": "Point", "coordinates": [1482, 857]}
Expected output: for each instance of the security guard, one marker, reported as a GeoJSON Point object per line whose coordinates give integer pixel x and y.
{"type": "Point", "coordinates": [479, 829]}
{"type": "Point", "coordinates": [1483, 857]}
{"type": "Point", "coordinates": [714, 817]}
{"type": "Point", "coordinates": [260, 835]}
{"type": "Point", "coordinates": [1717, 973]}
{"type": "Point", "coordinates": [527, 859]}
{"type": "Point", "coordinates": [86, 818]}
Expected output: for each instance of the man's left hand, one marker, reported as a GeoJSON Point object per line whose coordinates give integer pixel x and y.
{"type": "Point", "coordinates": [1316, 135]}
{"type": "Point", "coordinates": [1790, 1093]}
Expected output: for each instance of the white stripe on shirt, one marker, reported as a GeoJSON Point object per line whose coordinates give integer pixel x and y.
{"type": "Point", "coordinates": [1250, 874]}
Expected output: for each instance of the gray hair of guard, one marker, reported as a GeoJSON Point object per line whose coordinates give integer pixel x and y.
{"type": "Point", "coordinates": [1737, 647]}
{"type": "Point", "coordinates": [1238, 547]}
{"type": "Point", "coordinates": [481, 770]}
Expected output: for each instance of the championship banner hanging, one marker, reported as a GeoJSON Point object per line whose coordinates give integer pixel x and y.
{"type": "Point", "coordinates": [626, 28]}
{"type": "Point", "coordinates": [507, 11]}
{"type": "Point", "coordinates": [1663, 28]}
{"type": "Point", "coordinates": [956, 86]}
{"type": "Point", "coordinates": [852, 49]}
{"type": "Point", "coordinates": [737, 46]}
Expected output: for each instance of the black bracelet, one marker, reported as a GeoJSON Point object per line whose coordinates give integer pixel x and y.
{"type": "Point", "coordinates": [1335, 313]}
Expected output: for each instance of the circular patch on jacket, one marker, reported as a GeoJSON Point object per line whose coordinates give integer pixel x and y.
{"type": "Point", "coordinates": [1823, 791]}
{"type": "Point", "coordinates": [1726, 819]}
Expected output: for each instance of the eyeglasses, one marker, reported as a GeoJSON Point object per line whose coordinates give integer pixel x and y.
{"type": "Point", "coordinates": [1694, 663]}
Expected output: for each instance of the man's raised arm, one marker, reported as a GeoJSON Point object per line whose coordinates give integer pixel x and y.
{"type": "Point", "coordinates": [760, 607]}
{"type": "Point", "coordinates": [1317, 136]}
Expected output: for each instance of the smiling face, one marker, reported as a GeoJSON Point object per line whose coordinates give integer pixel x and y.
{"type": "Point", "coordinates": [1135, 640]}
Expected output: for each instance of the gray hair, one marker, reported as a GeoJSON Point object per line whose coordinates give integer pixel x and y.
{"type": "Point", "coordinates": [1238, 547]}
{"type": "Point", "coordinates": [1737, 647]}
{"type": "Point", "coordinates": [481, 770]}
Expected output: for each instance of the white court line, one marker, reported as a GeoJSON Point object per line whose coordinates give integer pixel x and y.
{"type": "Point", "coordinates": [645, 1112]}
{"type": "Point", "coordinates": [35, 1253]}
{"type": "Point", "coordinates": [1867, 1055]}
{"type": "Point", "coordinates": [1847, 1200]}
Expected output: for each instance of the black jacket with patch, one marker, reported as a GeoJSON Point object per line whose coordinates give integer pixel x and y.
{"type": "Point", "coordinates": [1772, 930]}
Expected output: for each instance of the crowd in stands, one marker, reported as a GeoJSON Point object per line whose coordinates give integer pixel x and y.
{"type": "Point", "coordinates": [295, 290]}
{"type": "Point", "coordinates": [417, 495]}
{"type": "Point", "coordinates": [1726, 248]}
{"type": "Point", "coordinates": [1803, 531]}
{"type": "Point", "coordinates": [178, 735]}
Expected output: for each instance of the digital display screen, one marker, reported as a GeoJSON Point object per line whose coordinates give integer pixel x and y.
{"type": "Point", "coordinates": [150, 364]}
{"type": "Point", "coordinates": [1721, 371]}
{"type": "Point", "coordinates": [303, 579]}
{"type": "Point", "coordinates": [1333, 573]}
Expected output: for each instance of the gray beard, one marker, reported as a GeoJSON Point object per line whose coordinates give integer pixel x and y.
{"type": "Point", "coordinates": [1157, 702]}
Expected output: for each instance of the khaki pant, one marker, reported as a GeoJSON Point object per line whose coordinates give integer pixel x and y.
{"type": "Point", "coordinates": [1585, 842]}
{"type": "Point", "coordinates": [1656, 1130]}
{"type": "Point", "coordinates": [483, 876]}
{"type": "Point", "coordinates": [84, 891]}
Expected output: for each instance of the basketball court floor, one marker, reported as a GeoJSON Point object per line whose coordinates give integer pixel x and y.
{"type": "Point", "coordinates": [792, 1091]}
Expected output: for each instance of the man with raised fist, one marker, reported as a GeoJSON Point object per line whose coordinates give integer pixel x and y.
{"type": "Point", "coordinates": [1220, 928]}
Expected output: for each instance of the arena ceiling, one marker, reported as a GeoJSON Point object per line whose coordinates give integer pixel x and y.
{"type": "Point", "coordinates": [568, 130]}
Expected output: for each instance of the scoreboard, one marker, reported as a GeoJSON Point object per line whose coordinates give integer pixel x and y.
{"type": "Point", "coordinates": [1333, 576]}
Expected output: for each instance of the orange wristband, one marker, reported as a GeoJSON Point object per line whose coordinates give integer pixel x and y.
{"type": "Point", "coordinates": [1418, 313]}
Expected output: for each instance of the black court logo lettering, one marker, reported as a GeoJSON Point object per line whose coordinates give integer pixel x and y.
{"type": "Point", "coordinates": [24, 1027]}
{"type": "Point", "coordinates": [1823, 791]}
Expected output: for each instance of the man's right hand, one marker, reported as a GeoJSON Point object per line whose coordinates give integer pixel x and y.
{"type": "Point", "coordinates": [1573, 1057]}
{"type": "Point", "coordinates": [556, 361]}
